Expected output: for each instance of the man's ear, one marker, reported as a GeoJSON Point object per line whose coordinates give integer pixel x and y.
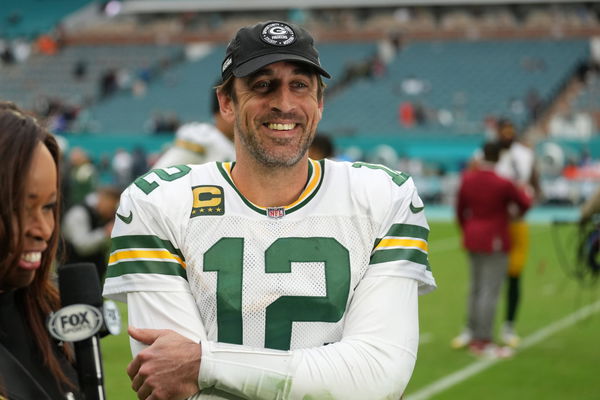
{"type": "Point", "coordinates": [226, 106]}
{"type": "Point", "coordinates": [321, 103]}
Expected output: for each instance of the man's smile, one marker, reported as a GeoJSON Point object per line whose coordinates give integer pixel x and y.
{"type": "Point", "coordinates": [281, 127]}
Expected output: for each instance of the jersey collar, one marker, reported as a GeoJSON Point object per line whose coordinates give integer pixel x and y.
{"type": "Point", "coordinates": [316, 171]}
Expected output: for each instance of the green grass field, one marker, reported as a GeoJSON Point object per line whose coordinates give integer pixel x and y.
{"type": "Point", "coordinates": [561, 365]}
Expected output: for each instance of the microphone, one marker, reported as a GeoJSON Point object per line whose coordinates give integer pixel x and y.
{"type": "Point", "coordinates": [79, 321]}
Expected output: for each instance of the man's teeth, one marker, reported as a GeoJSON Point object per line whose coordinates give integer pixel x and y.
{"type": "Point", "coordinates": [282, 127]}
{"type": "Point", "coordinates": [32, 256]}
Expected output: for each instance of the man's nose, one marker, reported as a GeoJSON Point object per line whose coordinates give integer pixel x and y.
{"type": "Point", "coordinates": [283, 100]}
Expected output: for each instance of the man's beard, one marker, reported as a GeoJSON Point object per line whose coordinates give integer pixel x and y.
{"type": "Point", "coordinates": [505, 143]}
{"type": "Point", "coordinates": [268, 159]}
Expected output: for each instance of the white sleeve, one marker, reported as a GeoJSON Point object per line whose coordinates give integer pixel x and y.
{"type": "Point", "coordinates": [177, 155]}
{"type": "Point", "coordinates": [77, 230]}
{"type": "Point", "coordinates": [197, 143]}
{"type": "Point", "coordinates": [146, 240]}
{"type": "Point", "coordinates": [524, 159]}
{"type": "Point", "coordinates": [403, 247]}
{"type": "Point", "coordinates": [164, 310]}
{"type": "Point", "coordinates": [374, 359]}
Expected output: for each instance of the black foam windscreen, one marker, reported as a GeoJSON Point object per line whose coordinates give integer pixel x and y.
{"type": "Point", "coordinates": [79, 284]}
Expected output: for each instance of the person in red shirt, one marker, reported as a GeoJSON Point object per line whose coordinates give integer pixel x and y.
{"type": "Point", "coordinates": [482, 212]}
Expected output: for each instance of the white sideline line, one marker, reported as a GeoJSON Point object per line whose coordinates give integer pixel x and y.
{"type": "Point", "coordinates": [478, 366]}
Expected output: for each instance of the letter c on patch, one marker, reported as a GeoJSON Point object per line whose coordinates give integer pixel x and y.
{"type": "Point", "coordinates": [207, 196]}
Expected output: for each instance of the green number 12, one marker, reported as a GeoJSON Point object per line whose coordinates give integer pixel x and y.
{"type": "Point", "coordinates": [226, 258]}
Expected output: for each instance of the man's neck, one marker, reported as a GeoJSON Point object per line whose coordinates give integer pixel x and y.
{"type": "Point", "coordinates": [487, 165]}
{"type": "Point", "coordinates": [269, 186]}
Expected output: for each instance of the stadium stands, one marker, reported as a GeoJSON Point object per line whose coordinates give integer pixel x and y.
{"type": "Point", "coordinates": [588, 99]}
{"type": "Point", "coordinates": [28, 18]}
{"type": "Point", "coordinates": [457, 68]}
{"type": "Point", "coordinates": [494, 82]}
{"type": "Point", "coordinates": [471, 79]}
{"type": "Point", "coordinates": [44, 77]}
{"type": "Point", "coordinates": [184, 89]}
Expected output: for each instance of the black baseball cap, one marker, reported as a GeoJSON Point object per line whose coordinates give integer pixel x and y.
{"type": "Point", "coordinates": [265, 43]}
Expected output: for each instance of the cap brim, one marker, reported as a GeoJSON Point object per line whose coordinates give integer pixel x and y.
{"type": "Point", "coordinates": [257, 63]}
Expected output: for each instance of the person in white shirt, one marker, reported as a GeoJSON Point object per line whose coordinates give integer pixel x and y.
{"type": "Point", "coordinates": [274, 276]}
{"type": "Point", "coordinates": [517, 163]}
{"type": "Point", "coordinates": [200, 142]}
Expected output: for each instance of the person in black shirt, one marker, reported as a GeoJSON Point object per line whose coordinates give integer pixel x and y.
{"type": "Point", "coordinates": [32, 364]}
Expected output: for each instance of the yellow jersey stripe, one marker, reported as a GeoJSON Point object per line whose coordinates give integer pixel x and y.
{"type": "Point", "coordinates": [196, 148]}
{"type": "Point", "coordinates": [164, 255]}
{"type": "Point", "coordinates": [393, 243]}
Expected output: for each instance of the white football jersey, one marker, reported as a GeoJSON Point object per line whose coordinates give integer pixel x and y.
{"type": "Point", "coordinates": [516, 163]}
{"type": "Point", "coordinates": [197, 143]}
{"type": "Point", "coordinates": [281, 277]}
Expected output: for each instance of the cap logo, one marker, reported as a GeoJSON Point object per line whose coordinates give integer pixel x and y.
{"type": "Point", "coordinates": [226, 64]}
{"type": "Point", "coordinates": [278, 34]}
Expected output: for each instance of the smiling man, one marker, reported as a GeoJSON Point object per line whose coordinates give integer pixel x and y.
{"type": "Point", "coordinates": [277, 276]}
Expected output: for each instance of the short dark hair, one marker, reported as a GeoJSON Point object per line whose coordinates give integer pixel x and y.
{"type": "Point", "coordinates": [491, 152]}
{"type": "Point", "coordinates": [214, 100]}
{"type": "Point", "coordinates": [506, 126]}
{"type": "Point", "coordinates": [324, 144]}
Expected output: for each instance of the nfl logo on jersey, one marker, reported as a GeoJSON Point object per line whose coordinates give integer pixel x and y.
{"type": "Point", "coordinates": [275, 212]}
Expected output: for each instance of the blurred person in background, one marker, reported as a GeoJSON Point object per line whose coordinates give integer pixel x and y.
{"type": "Point", "coordinates": [32, 364]}
{"type": "Point", "coordinates": [517, 164]}
{"type": "Point", "coordinates": [198, 143]}
{"type": "Point", "coordinates": [276, 276]}
{"type": "Point", "coordinates": [80, 178]}
{"type": "Point", "coordinates": [321, 147]}
{"type": "Point", "coordinates": [86, 228]}
{"type": "Point", "coordinates": [482, 211]}
{"type": "Point", "coordinates": [122, 168]}
{"type": "Point", "coordinates": [139, 164]}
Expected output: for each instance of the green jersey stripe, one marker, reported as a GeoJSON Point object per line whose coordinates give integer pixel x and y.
{"type": "Point", "coordinates": [413, 255]}
{"type": "Point", "coordinates": [407, 230]}
{"type": "Point", "coordinates": [145, 267]}
{"type": "Point", "coordinates": [143, 242]}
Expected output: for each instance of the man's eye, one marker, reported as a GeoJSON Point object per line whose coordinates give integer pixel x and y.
{"type": "Point", "coordinates": [300, 84]}
{"type": "Point", "coordinates": [262, 85]}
